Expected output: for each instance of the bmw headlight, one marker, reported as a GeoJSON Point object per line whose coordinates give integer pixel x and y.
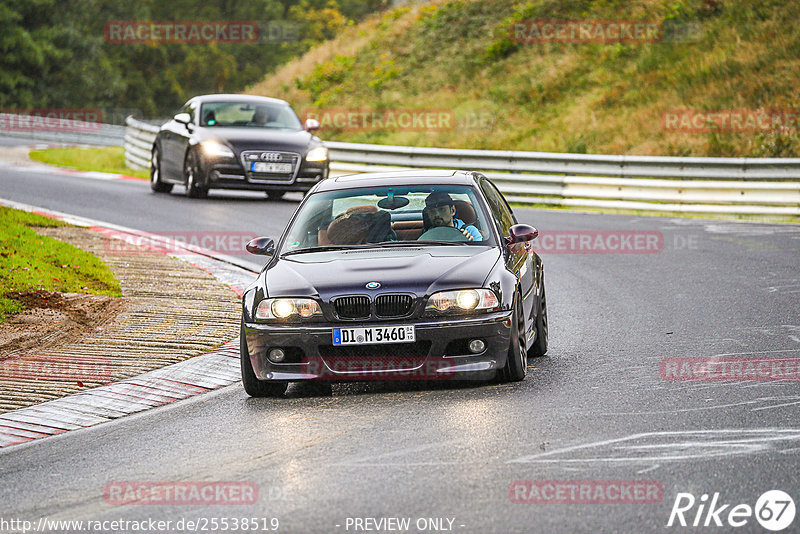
{"type": "Point", "coordinates": [287, 309]}
{"type": "Point", "coordinates": [317, 154]}
{"type": "Point", "coordinates": [462, 301]}
{"type": "Point", "coordinates": [215, 149]}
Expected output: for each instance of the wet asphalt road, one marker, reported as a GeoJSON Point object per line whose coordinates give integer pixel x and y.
{"type": "Point", "coordinates": [595, 409]}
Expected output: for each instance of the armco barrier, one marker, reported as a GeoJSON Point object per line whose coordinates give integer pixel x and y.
{"type": "Point", "coordinates": [746, 186]}
{"type": "Point", "coordinates": [139, 139]}
{"type": "Point", "coordinates": [66, 131]}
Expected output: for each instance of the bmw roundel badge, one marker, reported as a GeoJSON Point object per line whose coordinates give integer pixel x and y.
{"type": "Point", "coordinates": [373, 285]}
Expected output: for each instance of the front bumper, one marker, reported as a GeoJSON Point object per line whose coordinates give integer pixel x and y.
{"type": "Point", "coordinates": [230, 174]}
{"type": "Point", "coordinates": [440, 351]}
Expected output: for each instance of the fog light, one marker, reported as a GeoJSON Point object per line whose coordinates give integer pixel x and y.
{"type": "Point", "coordinates": [476, 346]}
{"type": "Point", "coordinates": [276, 355]}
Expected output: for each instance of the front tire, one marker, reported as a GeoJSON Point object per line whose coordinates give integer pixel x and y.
{"type": "Point", "coordinates": [194, 188]}
{"type": "Point", "coordinates": [275, 195]}
{"type": "Point", "coordinates": [517, 362]}
{"type": "Point", "coordinates": [252, 385]}
{"type": "Point", "coordinates": [155, 173]}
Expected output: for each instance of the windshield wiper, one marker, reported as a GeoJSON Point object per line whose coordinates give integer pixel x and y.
{"type": "Point", "coordinates": [324, 248]}
{"type": "Point", "coordinates": [398, 244]}
{"type": "Point", "coordinates": [446, 242]}
{"type": "Point", "coordinates": [382, 244]}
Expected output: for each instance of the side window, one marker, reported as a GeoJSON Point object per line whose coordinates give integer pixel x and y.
{"type": "Point", "coordinates": [500, 210]}
{"type": "Point", "coordinates": [192, 110]}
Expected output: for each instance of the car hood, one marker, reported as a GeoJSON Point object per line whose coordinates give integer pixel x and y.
{"type": "Point", "coordinates": [421, 270]}
{"type": "Point", "coordinates": [259, 138]}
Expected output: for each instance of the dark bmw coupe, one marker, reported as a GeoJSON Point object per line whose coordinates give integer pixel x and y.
{"type": "Point", "coordinates": [237, 142]}
{"type": "Point", "coordinates": [395, 276]}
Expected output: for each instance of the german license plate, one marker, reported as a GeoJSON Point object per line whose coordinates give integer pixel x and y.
{"type": "Point", "coordinates": [273, 168]}
{"type": "Point", "coordinates": [373, 335]}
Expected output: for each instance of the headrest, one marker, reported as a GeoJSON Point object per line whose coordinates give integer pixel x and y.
{"type": "Point", "coordinates": [362, 209]}
{"type": "Point", "coordinates": [346, 230]}
{"type": "Point", "coordinates": [465, 211]}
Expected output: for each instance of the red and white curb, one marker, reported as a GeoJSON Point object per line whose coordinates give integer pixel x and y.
{"type": "Point", "coordinates": [194, 376]}
{"type": "Point", "coordinates": [191, 377]}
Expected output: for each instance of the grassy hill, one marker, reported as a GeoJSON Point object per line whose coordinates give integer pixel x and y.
{"type": "Point", "coordinates": [604, 98]}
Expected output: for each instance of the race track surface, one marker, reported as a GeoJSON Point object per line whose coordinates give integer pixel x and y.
{"type": "Point", "coordinates": [597, 408]}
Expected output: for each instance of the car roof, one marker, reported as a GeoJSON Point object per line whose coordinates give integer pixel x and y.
{"type": "Point", "coordinates": [383, 179]}
{"type": "Point", "coordinates": [238, 98]}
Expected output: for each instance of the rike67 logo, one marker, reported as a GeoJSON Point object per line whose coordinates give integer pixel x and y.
{"type": "Point", "coordinates": [774, 511]}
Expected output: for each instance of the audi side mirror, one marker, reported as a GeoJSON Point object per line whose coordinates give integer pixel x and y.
{"type": "Point", "coordinates": [312, 125]}
{"type": "Point", "coordinates": [183, 118]}
{"type": "Point", "coordinates": [262, 246]}
{"type": "Point", "coordinates": [521, 233]}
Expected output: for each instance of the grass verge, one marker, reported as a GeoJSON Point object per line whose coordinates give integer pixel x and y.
{"type": "Point", "coordinates": [29, 261]}
{"type": "Point", "coordinates": [107, 159]}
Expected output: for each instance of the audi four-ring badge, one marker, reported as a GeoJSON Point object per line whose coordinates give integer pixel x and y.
{"type": "Point", "coordinates": [414, 275]}
{"type": "Point", "coordinates": [237, 142]}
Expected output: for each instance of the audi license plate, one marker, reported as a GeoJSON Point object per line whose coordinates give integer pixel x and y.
{"type": "Point", "coordinates": [272, 168]}
{"type": "Point", "coordinates": [374, 335]}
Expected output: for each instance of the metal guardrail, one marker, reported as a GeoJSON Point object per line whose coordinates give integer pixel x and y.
{"type": "Point", "coordinates": [139, 139]}
{"type": "Point", "coordinates": [65, 131]}
{"type": "Point", "coordinates": [747, 186]}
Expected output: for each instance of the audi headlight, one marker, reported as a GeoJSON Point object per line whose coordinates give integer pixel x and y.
{"type": "Point", "coordinates": [287, 309]}
{"type": "Point", "coordinates": [216, 149]}
{"type": "Point", "coordinates": [462, 301]}
{"type": "Point", "coordinates": [317, 154]}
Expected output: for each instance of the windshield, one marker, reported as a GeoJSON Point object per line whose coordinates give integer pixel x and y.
{"type": "Point", "coordinates": [250, 115]}
{"type": "Point", "coordinates": [383, 216]}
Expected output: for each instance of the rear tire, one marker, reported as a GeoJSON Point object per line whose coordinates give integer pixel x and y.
{"type": "Point", "coordinates": [517, 362]}
{"type": "Point", "coordinates": [539, 347]}
{"type": "Point", "coordinates": [252, 385]}
{"type": "Point", "coordinates": [155, 173]}
{"type": "Point", "coordinates": [190, 175]}
{"type": "Point", "coordinates": [275, 195]}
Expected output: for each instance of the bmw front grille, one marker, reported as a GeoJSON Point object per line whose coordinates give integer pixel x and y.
{"type": "Point", "coordinates": [388, 306]}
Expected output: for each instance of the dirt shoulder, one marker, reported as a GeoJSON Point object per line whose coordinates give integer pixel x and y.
{"type": "Point", "coordinates": [63, 343]}
{"type": "Point", "coordinates": [18, 155]}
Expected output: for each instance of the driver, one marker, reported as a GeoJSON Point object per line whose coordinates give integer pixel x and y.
{"type": "Point", "coordinates": [441, 211]}
{"type": "Point", "coordinates": [262, 116]}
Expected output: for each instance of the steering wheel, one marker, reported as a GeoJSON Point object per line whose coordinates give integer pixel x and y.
{"type": "Point", "coordinates": [443, 233]}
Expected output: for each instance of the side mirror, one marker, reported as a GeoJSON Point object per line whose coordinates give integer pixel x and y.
{"type": "Point", "coordinates": [183, 118]}
{"type": "Point", "coordinates": [521, 233]}
{"type": "Point", "coordinates": [312, 125]}
{"type": "Point", "coordinates": [263, 246]}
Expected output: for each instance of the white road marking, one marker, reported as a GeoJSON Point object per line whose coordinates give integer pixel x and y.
{"type": "Point", "coordinates": [691, 444]}
{"type": "Point", "coordinates": [719, 406]}
{"type": "Point", "coordinates": [651, 468]}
